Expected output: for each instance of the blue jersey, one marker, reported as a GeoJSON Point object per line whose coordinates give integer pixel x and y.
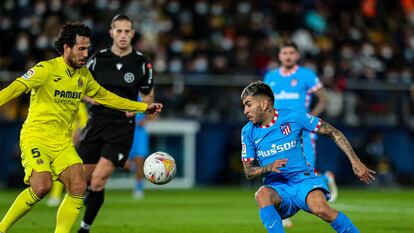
{"type": "Point", "coordinates": [139, 116]}
{"type": "Point", "coordinates": [280, 140]}
{"type": "Point", "coordinates": [294, 89]}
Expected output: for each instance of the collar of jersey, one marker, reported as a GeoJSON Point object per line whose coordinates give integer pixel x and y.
{"type": "Point", "coordinates": [272, 122]}
{"type": "Point", "coordinates": [285, 73]}
{"type": "Point", "coordinates": [71, 69]}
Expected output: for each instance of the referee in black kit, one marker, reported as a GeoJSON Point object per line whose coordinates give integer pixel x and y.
{"type": "Point", "coordinates": [107, 138]}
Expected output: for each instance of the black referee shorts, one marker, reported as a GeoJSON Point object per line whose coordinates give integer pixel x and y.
{"type": "Point", "coordinates": [109, 138]}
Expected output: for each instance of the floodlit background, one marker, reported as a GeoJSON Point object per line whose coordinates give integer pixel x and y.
{"type": "Point", "coordinates": [204, 53]}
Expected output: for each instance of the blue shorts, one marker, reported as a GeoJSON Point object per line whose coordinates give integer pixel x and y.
{"type": "Point", "coordinates": [294, 196]}
{"type": "Point", "coordinates": [140, 145]}
{"type": "Point", "coordinates": [309, 147]}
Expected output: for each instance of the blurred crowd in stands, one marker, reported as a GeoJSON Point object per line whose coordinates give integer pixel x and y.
{"type": "Point", "coordinates": [362, 50]}
{"type": "Point", "coordinates": [342, 40]}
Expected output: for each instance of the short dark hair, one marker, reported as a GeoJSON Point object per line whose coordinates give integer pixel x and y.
{"type": "Point", "coordinates": [67, 35]}
{"type": "Point", "coordinates": [258, 88]}
{"type": "Point", "coordinates": [120, 17]}
{"type": "Point", "coordinates": [290, 44]}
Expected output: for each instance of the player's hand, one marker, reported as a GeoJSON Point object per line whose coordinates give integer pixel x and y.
{"type": "Point", "coordinates": [130, 114]}
{"type": "Point", "coordinates": [154, 108]}
{"type": "Point", "coordinates": [365, 174]}
{"type": "Point", "coordinates": [278, 164]}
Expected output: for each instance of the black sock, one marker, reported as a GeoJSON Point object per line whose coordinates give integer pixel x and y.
{"type": "Point", "coordinates": [86, 197]}
{"type": "Point", "coordinates": [94, 202]}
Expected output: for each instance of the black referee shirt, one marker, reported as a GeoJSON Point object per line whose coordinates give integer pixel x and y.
{"type": "Point", "coordinates": [125, 76]}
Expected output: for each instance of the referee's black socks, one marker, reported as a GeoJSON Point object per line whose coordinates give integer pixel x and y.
{"type": "Point", "coordinates": [93, 201]}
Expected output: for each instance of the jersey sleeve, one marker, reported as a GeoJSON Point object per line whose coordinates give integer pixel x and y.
{"type": "Point", "coordinates": [92, 86]}
{"type": "Point", "coordinates": [146, 83]}
{"type": "Point", "coordinates": [248, 152]}
{"type": "Point", "coordinates": [309, 123]}
{"type": "Point", "coordinates": [35, 76]}
{"type": "Point", "coordinates": [313, 82]}
{"type": "Point", "coordinates": [15, 89]}
{"type": "Point", "coordinates": [110, 100]}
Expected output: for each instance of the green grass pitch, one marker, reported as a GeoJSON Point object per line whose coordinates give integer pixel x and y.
{"type": "Point", "coordinates": [222, 210]}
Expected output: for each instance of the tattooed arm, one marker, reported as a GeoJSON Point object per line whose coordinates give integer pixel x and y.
{"type": "Point", "coordinates": [364, 174]}
{"type": "Point", "coordinates": [252, 171]}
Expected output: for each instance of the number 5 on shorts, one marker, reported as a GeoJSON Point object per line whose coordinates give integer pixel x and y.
{"type": "Point", "coordinates": [35, 152]}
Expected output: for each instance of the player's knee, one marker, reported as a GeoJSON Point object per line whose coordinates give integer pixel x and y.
{"type": "Point", "coordinates": [325, 212]}
{"type": "Point", "coordinates": [97, 183]}
{"type": "Point", "coordinates": [266, 196]}
{"type": "Point", "coordinates": [77, 187]}
{"type": "Point", "coordinates": [41, 189]}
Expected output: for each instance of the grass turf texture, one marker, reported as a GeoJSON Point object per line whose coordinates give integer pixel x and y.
{"type": "Point", "coordinates": [222, 210]}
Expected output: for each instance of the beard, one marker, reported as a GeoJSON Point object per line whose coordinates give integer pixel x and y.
{"type": "Point", "coordinates": [73, 62]}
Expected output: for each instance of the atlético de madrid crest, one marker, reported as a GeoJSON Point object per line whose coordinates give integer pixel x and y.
{"type": "Point", "coordinates": [285, 128]}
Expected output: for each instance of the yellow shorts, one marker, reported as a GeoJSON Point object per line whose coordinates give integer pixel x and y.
{"type": "Point", "coordinates": [42, 158]}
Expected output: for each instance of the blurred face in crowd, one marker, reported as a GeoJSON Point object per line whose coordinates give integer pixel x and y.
{"type": "Point", "coordinates": [288, 57]}
{"type": "Point", "coordinates": [76, 56]}
{"type": "Point", "coordinates": [122, 34]}
{"type": "Point", "coordinates": [254, 108]}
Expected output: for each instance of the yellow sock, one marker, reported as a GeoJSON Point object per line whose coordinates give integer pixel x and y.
{"type": "Point", "coordinates": [68, 212]}
{"type": "Point", "coordinates": [19, 208]}
{"type": "Point", "coordinates": [56, 191]}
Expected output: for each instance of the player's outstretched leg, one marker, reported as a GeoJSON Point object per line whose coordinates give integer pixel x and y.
{"type": "Point", "coordinates": [100, 175]}
{"type": "Point", "coordinates": [342, 224]}
{"type": "Point", "coordinates": [74, 180]}
{"type": "Point", "coordinates": [265, 198]}
{"type": "Point", "coordinates": [271, 219]}
{"type": "Point", "coordinates": [40, 185]}
{"type": "Point", "coordinates": [68, 213]}
{"type": "Point", "coordinates": [23, 204]}
{"type": "Point", "coordinates": [94, 203]}
{"type": "Point", "coordinates": [318, 206]}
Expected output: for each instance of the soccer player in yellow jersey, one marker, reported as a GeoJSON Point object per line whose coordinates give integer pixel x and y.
{"type": "Point", "coordinates": [79, 123]}
{"type": "Point", "coordinates": [57, 87]}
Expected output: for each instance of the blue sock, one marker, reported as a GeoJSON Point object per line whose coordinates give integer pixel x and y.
{"type": "Point", "coordinates": [342, 224]}
{"type": "Point", "coordinates": [139, 185]}
{"type": "Point", "coordinates": [271, 219]}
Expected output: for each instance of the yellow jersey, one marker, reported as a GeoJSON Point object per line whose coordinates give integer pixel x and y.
{"type": "Point", "coordinates": [56, 92]}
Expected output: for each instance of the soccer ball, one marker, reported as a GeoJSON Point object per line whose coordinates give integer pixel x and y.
{"type": "Point", "coordinates": [160, 168]}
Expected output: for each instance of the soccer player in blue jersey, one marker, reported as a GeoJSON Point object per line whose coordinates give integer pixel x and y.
{"type": "Point", "coordinates": [138, 153]}
{"type": "Point", "coordinates": [293, 87]}
{"type": "Point", "coordinates": [272, 148]}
